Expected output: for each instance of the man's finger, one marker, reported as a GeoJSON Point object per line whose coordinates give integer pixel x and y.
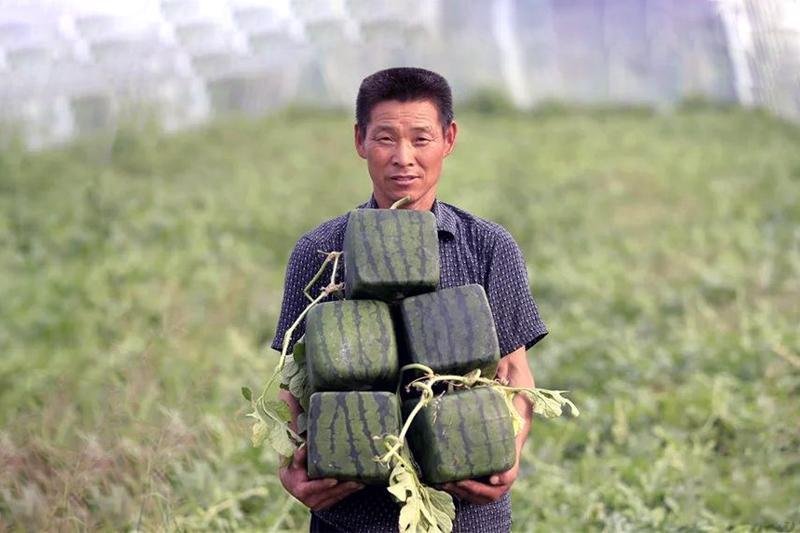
{"type": "Point", "coordinates": [454, 489]}
{"type": "Point", "coordinates": [309, 489]}
{"type": "Point", "coordinates": [335, 495]}
{"type": "Point", "coordinates": [476, 488]}
{"type": "Point", "coordinates": [299, 459]}
{"type": "Point", "coordinates": [503, 478]}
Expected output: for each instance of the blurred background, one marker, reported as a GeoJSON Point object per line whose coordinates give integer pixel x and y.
{"type": "Point", "coordinates": [159, 158]}
{"type": "Point", "coordinates": [70, 67]}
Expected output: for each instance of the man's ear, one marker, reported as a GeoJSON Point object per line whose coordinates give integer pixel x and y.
{"type": "Point", "coordinates": [359, 142]}
{"type": "Point", "coordinates": [450, 134]}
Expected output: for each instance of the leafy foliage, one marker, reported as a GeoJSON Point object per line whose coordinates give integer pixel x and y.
{"type": "Point", "coordinates": [662, 251]}
{"type": "Point", "coordinates": [272, 425]}
{"type": "Point", "coordinates": [423, 509]}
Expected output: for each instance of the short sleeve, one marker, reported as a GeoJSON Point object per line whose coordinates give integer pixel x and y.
{"type": "Point", "coordinates": [516, 314]}
{"type": "Point", "coordinates": [304, 262]}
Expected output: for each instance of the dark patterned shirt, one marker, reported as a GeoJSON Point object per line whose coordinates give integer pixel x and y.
{"type": "Point", "coordinates": [471, 250]}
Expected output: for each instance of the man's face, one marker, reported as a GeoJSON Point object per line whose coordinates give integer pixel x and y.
{"type": "Point", "coordinates": [405, 146]}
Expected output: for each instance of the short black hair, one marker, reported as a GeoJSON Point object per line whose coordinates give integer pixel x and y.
{"type": "Point", "coordinates": [404, 84]}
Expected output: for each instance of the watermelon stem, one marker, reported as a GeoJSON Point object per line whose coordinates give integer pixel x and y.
{"type": "Point", "coordinates": [401, 202]}
{"type": "Point", "coordinates": [266, 413]}
{"type": "Point", "coordinates": [329, 256]}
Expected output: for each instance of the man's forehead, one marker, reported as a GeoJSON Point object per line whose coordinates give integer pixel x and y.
{"type": "Point", "coordinates": [390, 114]}
{"type": "Point", "coordinates": [379, 125]}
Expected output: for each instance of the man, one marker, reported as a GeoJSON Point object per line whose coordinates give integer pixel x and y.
{"type": "Point", "coordinates": [404, 130]}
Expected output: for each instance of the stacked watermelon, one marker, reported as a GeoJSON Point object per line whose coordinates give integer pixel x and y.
{"type": "Point", "coordinates": [393, 315]}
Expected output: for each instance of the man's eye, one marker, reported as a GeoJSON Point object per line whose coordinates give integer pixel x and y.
{"type": "Point", "coordinates": [422, 140]}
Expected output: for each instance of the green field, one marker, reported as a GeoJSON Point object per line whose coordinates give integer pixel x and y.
{"type": "Point", "coordinates": [140, 280]}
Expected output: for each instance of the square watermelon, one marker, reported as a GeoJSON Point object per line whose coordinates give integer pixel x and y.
{"type": "Point", "coordinates": [390, 254]}
{"type": "Point", "coordinates": [451, 330]}
{"type": "Point", "coordinates": [351, 345]}
{"type": "Point", "coordinates": [341, 427]}
{"type": "Point", "coordinates": [465, 434]}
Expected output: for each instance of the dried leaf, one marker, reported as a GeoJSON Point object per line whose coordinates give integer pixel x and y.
{"type": "Point", "coordinates": [550, 403]}
{"type": "Point", "coordinates": [517, 421]}
{"type": "Point", "coordinates": [260, 431]}
{"type": "Point", "coordinates": [472, 377]}
{"type": "Point", "coordinates": [422, 508]}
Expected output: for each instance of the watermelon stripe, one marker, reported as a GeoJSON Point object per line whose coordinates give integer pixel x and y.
{"type": "Point", "coordinates": [449, 329]}
{"type": "Point", "coordinates": [387, 263]}
{"type": "Point", "coordinates": [485, 427]}
{"type": "Point", "coordinates": [382, 403]}
{"type": "Point", "coordinates": [442, 343]}
{"type": "Point", "coordinates": [313, 429]}
{"type": "Point", "coordinates": [401, 244]}
{"type": "Point", "coordinates": [331, 432]}
{"type": "Point", "coordinates": [341, 400]}
{"type": "Point", "coordinates": [365, 425]}
{"type": "Point", "coordinates": [321, 345]}
{"type": "Point", "coordinates": [501, 412]}
{"type": "Point", "coordinates": [378, 318]}
{"type": "Point", "coordinates": [423, 250]}
{"type": "Point", "coordinates": [361, 244]}
{"type": "Point", "coordinates": [461, 305]}
{"type": "Point", "coordinates": [345, 350]}
{"type": "Point", "coordinates": [364, 363]}
{"type": "Point", "coordinates": [419, 329]}
{"type": "Point", "coordinates": [464, 432]}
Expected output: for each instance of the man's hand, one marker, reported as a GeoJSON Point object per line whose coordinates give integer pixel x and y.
{"type": "Point", "coordinates": [316, 494]}
{"type": "Point", "coordinates": [483, 493]}
{"type": "Point", "coordinates": [514, 370]}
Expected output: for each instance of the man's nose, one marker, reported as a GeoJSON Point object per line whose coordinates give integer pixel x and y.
{"type": "Point", "coordinates": [403, 154]}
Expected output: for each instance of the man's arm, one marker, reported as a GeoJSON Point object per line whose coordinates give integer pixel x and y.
{"type": "Point", "coordinates": [515, 370]}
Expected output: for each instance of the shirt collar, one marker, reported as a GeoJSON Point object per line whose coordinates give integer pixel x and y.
{"type": "Point", "coordinates": [446, 220]}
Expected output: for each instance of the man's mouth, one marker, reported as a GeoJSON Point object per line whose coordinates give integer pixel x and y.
{"type": "Point", "coordinates": [402, 178]}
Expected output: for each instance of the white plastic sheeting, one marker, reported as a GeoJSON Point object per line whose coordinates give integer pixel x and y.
{"type": "Point", "coordinates": [69, 67]}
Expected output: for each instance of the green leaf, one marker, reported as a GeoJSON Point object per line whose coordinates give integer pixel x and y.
{"type": "Point", "coordinates": [299, 351]}
{"type": "Point", "coordinates": [290, 368]}
{"type": "Point", "coordinates": [247, 393]}
{"type": "Point", "coordinates": [297, 385]}
{"type": "Point", "coordinates": [280, 441]}
{"type": "Point", "coordinates": [302, 423]}
{"type": "Point", "coordinates": [273, 409]}
{"type": "Point", "coordinates": [300, 389]}
{"type": "Point", "coordinates": [272, 426]}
